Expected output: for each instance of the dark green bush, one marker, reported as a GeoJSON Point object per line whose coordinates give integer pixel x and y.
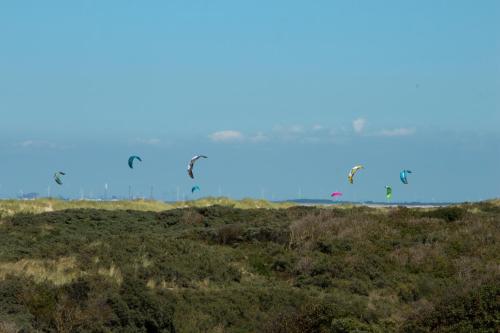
{"type": "Point", "coordinates": [477, 310]}
{"type": "Point", "coordinates": [449, 214]}
{"type": "Point", "coordinates": [351, 325]}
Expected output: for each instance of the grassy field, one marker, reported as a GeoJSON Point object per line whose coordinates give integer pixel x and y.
{"type": "Point", "coordinates": [218, 265]}
{"type": "Point", "coordinates": [11, 207]}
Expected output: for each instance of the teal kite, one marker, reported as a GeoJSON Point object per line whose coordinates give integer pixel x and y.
{"type": "Point", "coordinates": [57, 177]}
{"type": "Point", "coordinates": [195, 188]}
{"type": "Point", "coordinates": [403, 174]}
{"type": "Point", "coordinates": [131, 161]}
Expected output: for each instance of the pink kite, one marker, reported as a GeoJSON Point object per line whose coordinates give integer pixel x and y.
{"type": "Point", "coordinates": [336, 194]}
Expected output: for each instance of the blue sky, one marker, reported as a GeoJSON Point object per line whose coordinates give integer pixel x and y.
{"type": "Point", "coordinates": [281, 95]}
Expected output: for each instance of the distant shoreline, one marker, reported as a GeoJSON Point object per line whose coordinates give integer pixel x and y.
{"type": "Point", "coordinates": [308, 202]}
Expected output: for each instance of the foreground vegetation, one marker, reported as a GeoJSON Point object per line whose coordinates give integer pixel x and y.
{"type": "Point", "coordinates": [156, 268]}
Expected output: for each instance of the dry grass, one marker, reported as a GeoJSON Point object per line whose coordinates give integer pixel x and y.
{"type": "Point", "coordinates": [11, 207]}
{"type": "Point", "coordinates": [163, 285]}
{"type": "Point", "coordinates": [113, 273]}
{"type": "Point", "coordinates": [191, 217]}
{"type": "Point", "coordinates": [59, 272]}
{"type": "Point", "coordinates": [495, 202]}
{"type": "Point", "coordinates": [8, 327]}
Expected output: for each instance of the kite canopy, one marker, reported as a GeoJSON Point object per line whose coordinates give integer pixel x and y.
{"type": "Point", "coordinates": [353, 171]}
{"type": "Point", "coordinates": [336, 194]}
{"type": "Point", "coordinates": [388, 192]}
{"type": "Point", "coordinates": [195, 188]}
{"type": "Point", "coordinates": [57, 177]}
{"type": "Point", "coordinates": [191, 164]}
{"type": "Point", "coordinates": [131, 160]}
{"type": "Point", "coordinates": [403, 174]}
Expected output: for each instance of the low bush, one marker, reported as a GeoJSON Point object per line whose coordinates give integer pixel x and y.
{"type": "Point", "coordinates": [449, 214]}
{"type": "Point", "coordinates": [477, 310]}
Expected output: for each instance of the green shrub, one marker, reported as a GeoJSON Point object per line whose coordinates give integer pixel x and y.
{"type": "Point", "coordinates": [449, 214]}
{"type": "Point", "coordinates": [351, 325]}
{"type": "Point", "coordinates": [477, 310]}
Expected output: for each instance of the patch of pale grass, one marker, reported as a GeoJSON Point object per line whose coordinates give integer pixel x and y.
{"type": "Point", "coordinates": [202, 284]}
{"type": "Point", "coordinates": [113, 273]}
{"type": "Point", "coordinates": [168, 285]}
{"type": "Point", "coordinates": [151, 284]}
{"type": "Point", "coordinates": [95, 244]}
{"type": "Point", "coordinates": [495, 202]}
{"type": "Point", "coordinates": [172, 285]}
{"type": "Point", "coordinates": [246, 275]}
{"type": "Point", "coordinates": [47, 227]}
{"type": "Point", "coordinates": [146, 262]}
{"type": "Point", "coordinates": [49, 208]}
{"type": "Point", "coordinates": [163, 284]}
{"type": "Point", "coordinates": [220, 328]}
{"type": "Point", "coordinates": [8, 327]}
{"type": "Point", "coordinates": [142, 262]}
{"type": "Point", "coordinates": [59, 272]}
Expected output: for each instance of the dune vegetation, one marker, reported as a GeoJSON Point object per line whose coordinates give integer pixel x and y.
{"type": "Point", "coordinates": [11, 207]}
{"type": "Point", "coordinates": [247, 266]}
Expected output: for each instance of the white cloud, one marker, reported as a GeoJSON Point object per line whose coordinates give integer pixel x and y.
{"type": "Point", "coordinates": [309, 134]}
{"type": "Point", "coordinates": [398, 132]}
{"type": "Point", "coordinates": [359, 125]}
{"type": "Point", "coordinates": [316, 133]}
{"type": "Point", "coordinates": [226, 136]}
{"type": "Point", "coordinates": [304, 133]}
